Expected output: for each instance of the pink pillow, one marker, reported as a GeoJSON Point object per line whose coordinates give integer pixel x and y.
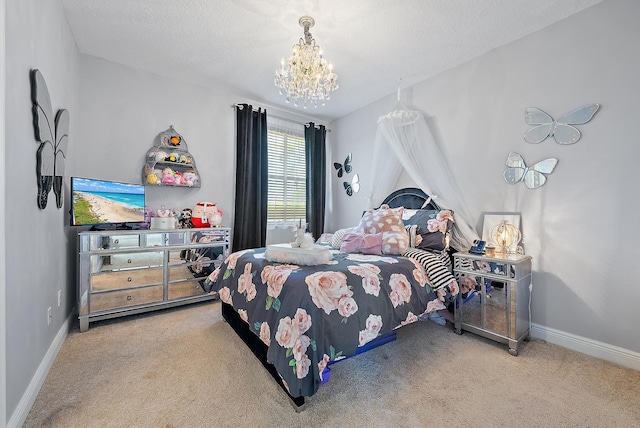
{"type": "Point", "coordinates": [358, 243]}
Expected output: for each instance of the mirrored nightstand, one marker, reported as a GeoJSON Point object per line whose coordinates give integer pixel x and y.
{"type": "Point", "coordinates": [494, 297]}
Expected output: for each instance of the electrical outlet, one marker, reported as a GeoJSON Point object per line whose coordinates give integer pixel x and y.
{"type": "Point", "coordinates": [59, 298]}
{"type": "Point", "coordinates": [49, 315]}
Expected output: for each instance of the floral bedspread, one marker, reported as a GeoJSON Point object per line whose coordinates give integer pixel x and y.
{"type": "Point", "coordinates": [310, 315]}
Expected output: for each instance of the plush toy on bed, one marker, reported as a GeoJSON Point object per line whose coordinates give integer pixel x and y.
{"type": "Point", "coordinates": [303, 240]}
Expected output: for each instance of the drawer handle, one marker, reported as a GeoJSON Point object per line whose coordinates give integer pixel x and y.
{"type": "Point", "coordinates": [129, 261]}
{"type": "Point", "coordinates": [116, 241]}
{"type": "Point", "coordinates": [128, 297]}
{"type": "Point", "coordinates": [129, 279]}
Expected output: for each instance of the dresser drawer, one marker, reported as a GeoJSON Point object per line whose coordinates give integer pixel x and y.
{"type": "Point", "coordinates": [126, 278]}
{"type": "Point", "coordinates": [118, 261]}
{"type": "Point", "coordinates": [178, 290]}
{"type": "Point", "coordinates": [124, 298]}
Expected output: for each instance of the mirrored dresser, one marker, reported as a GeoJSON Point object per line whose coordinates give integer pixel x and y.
{"type": "Point", "coordinates": [124, 272]}
{"type": "Point", "coordinates": [494, 297]}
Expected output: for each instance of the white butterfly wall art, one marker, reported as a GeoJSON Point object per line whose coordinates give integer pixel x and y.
{"type": "Point", "coordinates": [561, 129]}
{"type": "Point", "coordinates": [532, 176]}
{"type": "Point", "coordinates": [353, 187]}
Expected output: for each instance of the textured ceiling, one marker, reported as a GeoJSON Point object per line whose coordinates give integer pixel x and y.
{"type": "Point", "coordinates": [239, 43]}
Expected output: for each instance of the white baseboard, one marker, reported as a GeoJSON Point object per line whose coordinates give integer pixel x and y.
{"type": "Point", "coordinates": [29, 397]}
{"type": "Point", "coordinates": [604, 351]}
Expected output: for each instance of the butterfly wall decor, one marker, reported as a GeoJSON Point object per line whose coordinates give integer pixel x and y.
{"type": "Point", "coordinates": [353, 187]}
{"type": "Point", "coordinates": [561, 129]}
{"type": "Point", "coordinates": [343, 168]}
{"type": "Point", "coordinates": [532, 176]}
{"type": "Point", "coordinates": [53, 135]}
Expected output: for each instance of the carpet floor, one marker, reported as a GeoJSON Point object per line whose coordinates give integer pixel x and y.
{"type": "Point", "coordinates": [185, 367]}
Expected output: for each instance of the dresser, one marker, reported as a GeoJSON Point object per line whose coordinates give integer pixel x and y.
{"type": "Point", "coordinates": [124, 272]}
{"type": "Point", "coordinates": [494, 299]}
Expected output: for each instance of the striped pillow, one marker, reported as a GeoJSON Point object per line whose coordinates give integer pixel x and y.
{"type": "Point", "coordinates": [435, 265]}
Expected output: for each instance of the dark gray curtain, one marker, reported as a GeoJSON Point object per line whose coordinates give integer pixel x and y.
{"type": "Point", "coordinates": [250, 224]}
{"type": "Point", "coordinates": [316, 153]}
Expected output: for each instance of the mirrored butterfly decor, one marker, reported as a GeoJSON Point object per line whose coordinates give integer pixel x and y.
{"type": "Point", "coordinates": [532, 176]}
{"type": "Point", "coordinates": [353, 187]}
{"type": "Point", "coordinates": [561, 129]}
{"type": "Point", "coordinates": [53, 135]}
{"type": "Point", "coordinates": [343, 168]}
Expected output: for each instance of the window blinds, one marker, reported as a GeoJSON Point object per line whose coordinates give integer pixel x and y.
{"type": "Point", "coordinates": [287, 172]}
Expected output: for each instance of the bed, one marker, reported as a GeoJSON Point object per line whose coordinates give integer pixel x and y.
{"type": "Point", "coordinates": [299, 319]}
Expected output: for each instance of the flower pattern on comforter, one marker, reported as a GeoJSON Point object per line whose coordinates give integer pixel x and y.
{"type": "Point", "coordinates": [311, 315]}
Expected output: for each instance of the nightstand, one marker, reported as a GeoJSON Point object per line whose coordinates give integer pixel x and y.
{"type": "Point", "coordinates": [496, 298]}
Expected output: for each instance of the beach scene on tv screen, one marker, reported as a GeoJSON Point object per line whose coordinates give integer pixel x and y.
{"type": "Point", "coordinates": [100, 202]}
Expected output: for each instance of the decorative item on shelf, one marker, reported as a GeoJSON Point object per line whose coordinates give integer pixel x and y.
{"type": "Point", "coordinates": [206, 214]}
{"type": "Point", "coordinates": [163, 219]}
{"type": "Point", "coordinates": [169, 163]}
{"type": "Point", "coordinates": [506, 236]}
{"type": "Point", "coordinates": [306, 76]}
{"type": "Point", "coordinates": [184, 219]}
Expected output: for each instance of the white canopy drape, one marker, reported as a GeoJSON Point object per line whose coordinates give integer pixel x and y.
{"type": "Point", "coordinates": [405, 142]}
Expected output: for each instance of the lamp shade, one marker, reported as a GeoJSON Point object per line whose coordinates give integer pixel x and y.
{"type": "Point", "coordinates": [506, 237]}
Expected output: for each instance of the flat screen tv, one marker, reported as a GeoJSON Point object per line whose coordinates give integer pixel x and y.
{"type": "Point", "coordinates": [106, 203]}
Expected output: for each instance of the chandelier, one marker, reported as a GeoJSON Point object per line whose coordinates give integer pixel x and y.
{"type": "Point", "coordinates": [306, 77]}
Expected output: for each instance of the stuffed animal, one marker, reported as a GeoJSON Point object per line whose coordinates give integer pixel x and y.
{"type": "Point", "coordinates": [152, 178]}
{"type": "Point", "coordinates": [180, 181]}
{"type": "Point", "coordinates": [167, 176]}
{"type": "Point", "coordinates": [184, 219]}
{"type": "Point", "coordinates": [190, 178]}
{"type": "Point", "coordinates": [158, 156]}
{"type": "Point", "coordinates": [303, 240]}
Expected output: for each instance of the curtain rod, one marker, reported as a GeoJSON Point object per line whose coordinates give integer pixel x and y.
{"type": "Point", "coordinates": [278, 117]}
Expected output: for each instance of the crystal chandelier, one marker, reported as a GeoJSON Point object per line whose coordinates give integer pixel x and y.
{"type": "Point", "coordinates": [306, 77]}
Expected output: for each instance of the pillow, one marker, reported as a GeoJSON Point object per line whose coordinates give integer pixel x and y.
{"type": "Point", "coordinates": [435, 265]}
{"type": "Point", "coordinates": [383, 219]}
{"type": "Point", "coordinates": [388, 221]}
{"type": "Point", "coordinates": [336, 239]}
{"type": "Point", "coordinates": [414, 238]}
{"type": "Point", "coordinates": [432, 227]}
{"type": "Point", "coordinates": [325, 238]}
{"type": "Point", "coordinates": [365, 244]}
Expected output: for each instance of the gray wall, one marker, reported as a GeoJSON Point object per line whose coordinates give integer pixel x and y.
{"type": "Point", "coordinates": [38, 259]}
{"type": "Point", "coordinates": [582, 226]}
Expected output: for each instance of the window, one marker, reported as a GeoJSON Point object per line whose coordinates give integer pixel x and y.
{"type": "Point", "coordinates": [287, 172]}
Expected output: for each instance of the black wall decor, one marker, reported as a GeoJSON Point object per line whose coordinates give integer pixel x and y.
{"type": "Point", "coordinates": [53, 135]}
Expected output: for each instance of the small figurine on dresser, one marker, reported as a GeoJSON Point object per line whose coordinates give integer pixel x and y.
{"type": "Point", "coordinates": [184, 219]}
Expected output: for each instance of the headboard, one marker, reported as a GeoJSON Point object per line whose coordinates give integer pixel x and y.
{"type": "Point", "coordinates": [410, 198]}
